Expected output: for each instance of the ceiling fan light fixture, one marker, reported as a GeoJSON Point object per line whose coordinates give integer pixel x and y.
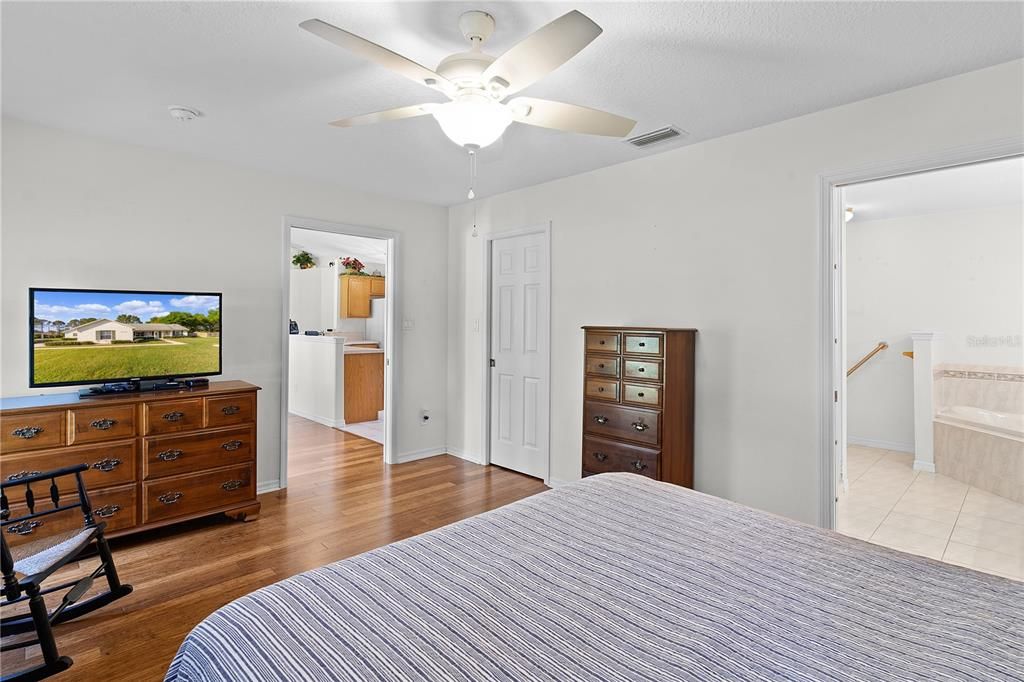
{"type": "Point", "coordinates": [473, 120]}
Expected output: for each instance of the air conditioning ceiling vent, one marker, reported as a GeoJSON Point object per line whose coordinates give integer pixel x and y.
{"type": "Point", "coordinates": [656, 136]}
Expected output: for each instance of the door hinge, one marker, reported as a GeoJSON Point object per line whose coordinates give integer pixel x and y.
{"type": "Point", "coordinates": [492, 362]}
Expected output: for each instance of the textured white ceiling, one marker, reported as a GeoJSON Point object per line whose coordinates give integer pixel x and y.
{"type": "Point", "coordinates": [326, 246]}
{"type": "Point", "coordinates": [267, 88]}
{"type": "Point", "coordinates": [963, 188]}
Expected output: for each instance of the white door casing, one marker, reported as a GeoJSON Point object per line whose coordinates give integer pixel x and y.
{"type": "Point", "coordinates": [520, 340]}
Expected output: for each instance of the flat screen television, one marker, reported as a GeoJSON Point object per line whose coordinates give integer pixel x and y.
{"type": "Point", "coordinates": [102, 336]}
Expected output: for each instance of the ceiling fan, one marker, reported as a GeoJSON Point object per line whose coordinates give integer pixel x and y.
{"type": "Point", "coordinates": [479, 84]}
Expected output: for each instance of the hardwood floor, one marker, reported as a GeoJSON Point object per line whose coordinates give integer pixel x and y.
{"type": "Point", "coordinates": [341, 500]}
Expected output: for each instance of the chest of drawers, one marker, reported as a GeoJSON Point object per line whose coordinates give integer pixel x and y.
{"type": "Point", "coordinates": [638, 394]}
{"type": "Point", "coordinates": [154, 458]}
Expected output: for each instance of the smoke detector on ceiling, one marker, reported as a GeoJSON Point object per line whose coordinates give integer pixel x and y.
{"type": "Point", "coordinates": [179, 113]}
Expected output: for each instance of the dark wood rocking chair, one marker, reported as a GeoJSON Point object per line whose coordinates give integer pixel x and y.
{"type": "Point", "coordinates": [25, 567]}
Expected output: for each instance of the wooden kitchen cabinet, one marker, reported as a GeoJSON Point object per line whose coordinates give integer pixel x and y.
{"type": "Point", "coordinates": [356, 292]}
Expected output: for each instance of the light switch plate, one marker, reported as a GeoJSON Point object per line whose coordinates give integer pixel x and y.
{"type": "Point", "coordinates": [407, 325]}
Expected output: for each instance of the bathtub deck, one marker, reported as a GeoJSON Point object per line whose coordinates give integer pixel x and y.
{"type": "Point", "coordinates": [931, 515]}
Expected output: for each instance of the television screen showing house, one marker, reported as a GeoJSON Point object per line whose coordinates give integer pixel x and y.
{"type": "Point", "coordinates": [81, 337]}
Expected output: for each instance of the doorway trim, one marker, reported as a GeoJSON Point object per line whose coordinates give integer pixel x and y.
{"type": "Point", "coordinates": [831, 276]}
{"type": "Point", "coordinates": [486, 244]}
{"type": "Point", "coordinates": [392, 340]}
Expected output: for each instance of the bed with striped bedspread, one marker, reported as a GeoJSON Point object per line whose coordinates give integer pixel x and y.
{"type": "Point", "coordinates": [618, 577]}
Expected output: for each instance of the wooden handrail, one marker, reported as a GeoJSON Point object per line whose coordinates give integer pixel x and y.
{"type": "Point", "coordinates": [882, 345]}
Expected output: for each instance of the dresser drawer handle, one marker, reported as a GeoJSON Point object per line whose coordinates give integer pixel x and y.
{"type": "Point", "coordinates": [640, 426]}
{"type": "Point", "coordinates": [103, 424]}
{"type": "Point", "coordinates": [106, 464]}
{"type": "Point", "coordinates": [171, 498]}
{"type": "Point", "coordinates": [174, 416]}
{"type": "Point", "coordinates": [600, 389]}
{"type": "Point", "coordinates": [601, 366]}
{"type": "Point", "coordinates": [106, 511]}
{"type": "Point", "coordinates": [640, 394]}
{"type": "Point", "coordinates": [233, 484]}
{"type": "Point", "coordinates": [232, 445]}
{"type": "Point", "coordinates": [600, 456]}
{"type": "Point", "coordinates": [27, 432]}
{"type": "Point", "coordinates": [230, 409]}
{"type": "Point", "coordinates": [642, 344]}
{"type": "Point", "coordinates": [640, 369]}
{"type": "Point", "coordinates": [26, 527]}
{"type": "Point", "coordinates": [23, 474]}
{"type": "Point", "coordinates": [600, 420]}
{"type": "Point", "coordinates": [169, 455]}
{"type": "Point", "coordinates": [638, 465]}
{"type": "Point", "coordinates": [601, 342]}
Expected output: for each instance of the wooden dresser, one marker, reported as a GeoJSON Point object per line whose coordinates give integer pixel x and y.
{"type": "Point", "coordinates": [154, 458]}
{"type": "Point", "coordinates": [638, 402]}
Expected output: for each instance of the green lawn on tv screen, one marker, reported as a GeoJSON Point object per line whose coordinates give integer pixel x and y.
{"type": "Point", "coordinates": [184, 357]}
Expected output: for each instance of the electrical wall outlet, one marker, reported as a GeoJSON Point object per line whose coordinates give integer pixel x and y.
{"type": "Point", "coordinates": [424, 416]}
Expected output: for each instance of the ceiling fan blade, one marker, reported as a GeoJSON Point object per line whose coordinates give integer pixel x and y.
{"type": "Point", "coordinates": [543, 51]}
{"type": "Point", "coordinates": [381, 116]}
{"type": "Point", "coordinates": [378, 54]}
{"type": "Point", "coordinates": [569, 117]}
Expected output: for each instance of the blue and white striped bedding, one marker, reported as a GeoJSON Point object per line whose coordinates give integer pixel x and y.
{"type": "Point", "coordinates": [618, 577]}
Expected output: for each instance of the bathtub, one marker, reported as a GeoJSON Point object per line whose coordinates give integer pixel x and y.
{"type": "Point", "coordinates": [996, 423]}
{"type": "Point", "coordinates": [983, 448]}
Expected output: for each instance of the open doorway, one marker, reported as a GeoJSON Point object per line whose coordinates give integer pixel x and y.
{"type": "Point", "coordinates": [339, 311]}
{"type": "Point", "coordinates": [930, 327]}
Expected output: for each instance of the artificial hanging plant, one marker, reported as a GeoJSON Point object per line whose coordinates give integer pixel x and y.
{"type": "Point", "coordinates": [304, 260]}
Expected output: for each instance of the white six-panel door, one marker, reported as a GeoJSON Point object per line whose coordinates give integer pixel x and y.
{"type": "Point", "coordinates": [520, 327]}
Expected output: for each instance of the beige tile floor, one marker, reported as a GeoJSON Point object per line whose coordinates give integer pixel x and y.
{"type": "Point", "coordinates": [888, 503]}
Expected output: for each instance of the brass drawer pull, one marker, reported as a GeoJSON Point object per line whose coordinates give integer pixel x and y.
{"type": "Point", "coordinates": [106, 464]}
{"type": "Point", "coordinates": [26, 527]}
{"type": "Point", "coordinates": [170, 498]}
{"type": "Point", "coordinates": [600, 456]}
{"type": "Point", "coordinates": [106, 511]}
{"type": "Point", "coordinates": [231, 409]}
{"type": "Point", "coordinates": [601, 342]}
{"type": "Point", "coordinates": [174, 416]}
{"type": "Point", "coordinates": [232, 445]}
{"type": "Point", "coordinates": [640, 426]}
{"type": "Point", "coordinates": [600, 419]}
{"type": "Point", "coordinates": [600, 389]}
{"type": "Point", "coordinates": [638, 465]}
{"type": "Point", "coordinates": [23, 474]}
{"type": "Point", "coordinates": [233, 484]}
{"type": "Point", "coordinates": [601, 366]}
{"type": "Point", "coordinates": [169, 455]}
{"type": "Point", "coordinates": [103, 424]}
{"type": "Point", "coordinates": [27, 432]}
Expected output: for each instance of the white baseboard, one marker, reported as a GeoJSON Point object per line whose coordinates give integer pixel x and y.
{"type": "Point", "coordinates": [462, 454]}
{"type": "Point", "coordinates": [921, 465]}
{"type": "Point", "coordinates": [267, 487]}
{"type": "Point", "coordinates": [414, 455]}
{"type": "Point", "coordinates": [556, 482]}
{"type": "Point", "coordinates": [881, 444]}
{"type": "Point", "coordinates": [333, 423]}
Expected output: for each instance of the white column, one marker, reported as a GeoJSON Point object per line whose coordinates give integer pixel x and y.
{"type": "Point", "coordinates": [926, 352]}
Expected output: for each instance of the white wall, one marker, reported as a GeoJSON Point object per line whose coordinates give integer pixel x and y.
{"type": "Point", "coordinates": [960, 273]}
{"type": "Point", "coordinates": [722, 236]}
{"type": "Point", "coordinates": [85, 212]}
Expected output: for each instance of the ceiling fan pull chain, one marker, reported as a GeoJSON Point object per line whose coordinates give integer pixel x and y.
{"type": "Point", "coordinates": [472, 174]}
